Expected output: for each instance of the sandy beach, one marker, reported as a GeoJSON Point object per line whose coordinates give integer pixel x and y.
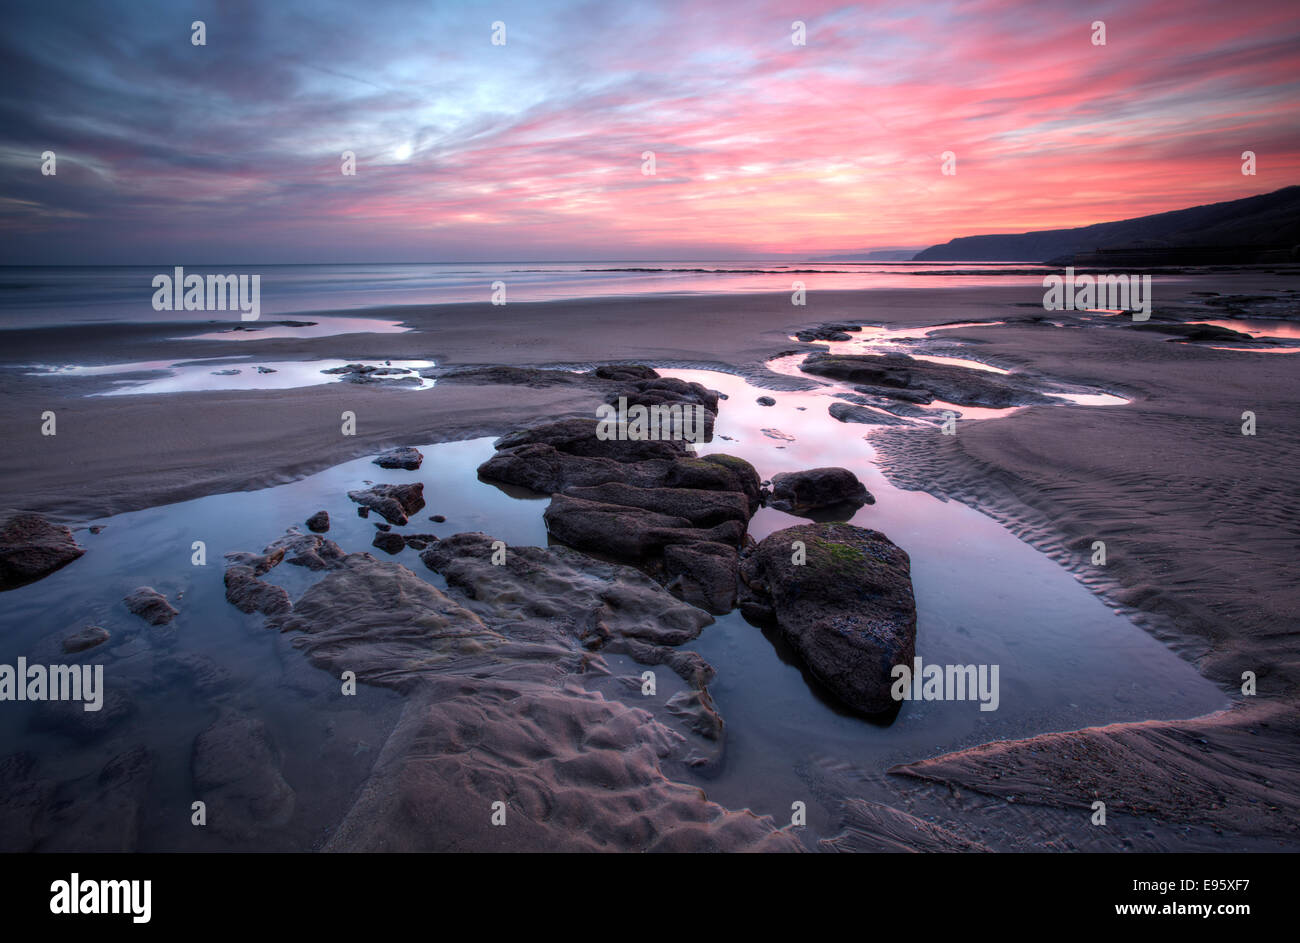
{"type": "Point", "coordinates": [1196, 518]}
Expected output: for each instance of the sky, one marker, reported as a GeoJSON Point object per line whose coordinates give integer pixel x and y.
{"type": "Point", "coordinates": [535, 149]}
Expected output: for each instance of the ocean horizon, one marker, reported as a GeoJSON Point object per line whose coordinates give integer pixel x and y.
{"type": "Point", "coordinates": [47, 295]}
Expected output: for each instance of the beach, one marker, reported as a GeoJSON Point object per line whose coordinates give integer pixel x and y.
{"type": "Point", "coordinates": [1196, 519]}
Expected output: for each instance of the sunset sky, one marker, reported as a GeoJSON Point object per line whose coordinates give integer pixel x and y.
{"type": "Point", "coordinates": [230, 152]}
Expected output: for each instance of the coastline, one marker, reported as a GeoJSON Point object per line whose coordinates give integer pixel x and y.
{"type": "Point", "coordinates": [1033, 471]}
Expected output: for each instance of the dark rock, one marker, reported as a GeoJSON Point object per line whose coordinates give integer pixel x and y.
{"type": "Point", "coordinates": [578, 437]}
{"type": "Point", "coordinates": [703, 574]}
{"type": "Point", "coordinates": [625, 372]}
{"type": "Point", "coordinates": [384, 527]}
{"type": "Point", "coordinates": [319, 522]}
{"type": "Point", "coordinates": [816, 489]}
{"type": "Point", "coordinates": [152, 606]}
{"type": "Point", "coordinates": [247, 593]}
{"type": "Point", "coordinates": [31, 548]}
{"type": "Point", "coordinates": [544, 469]}
{"type": "Point", "coordinates": [717, 472]}
{"type": "Point", "coordinates": [848, 611]}
{"type": "Point", "coordinates": [667, 391]}
{"type": "Point", "coordinates": [921, 397]}
{"type": "Point", "coordinates": [309, 550]}
{"type": "Point", "coordinates": [846, 412]}
{"type": "Point", "coordinates": [260, 563]}
{"type": "Point", "coordinates": [953, 384]}
{"type": "Point", "coordinates": [438, 519]}
{"type": "Point", "coordinates": [406, 457]}
{"type": "Point", "coordinates": [700, 508]}
{"type": "Point", "coordinates": [765, 401]}
{"type": "Point", "coordinates": [389, 543]}
{"type": "Point", "coordinates": [1194, 332]}
{"type": "Point", "coordinates": [392, 502]}
{"type": "Point", "coordinates": [88, 637]}
{"type": "Point", "coordinates": [627, 533]}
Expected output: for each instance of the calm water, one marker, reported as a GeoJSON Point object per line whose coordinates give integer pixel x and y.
{"type": "Point", "coordinates": [58, 294]}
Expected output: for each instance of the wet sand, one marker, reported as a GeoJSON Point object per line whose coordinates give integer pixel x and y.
{"type": "Point", "coordinates": [1197, 518]}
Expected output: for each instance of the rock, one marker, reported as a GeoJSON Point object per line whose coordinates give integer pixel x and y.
{"type": "Point", "coordinates": [846, 412]}
{"type": "Point", "coordinates": [717, 472]}
{"type": "Point", "coordinates": [151, 606]}
{"type": "Point", "coordinates": [406, 457]}
{"type": "Point", "coordinates": [392, 502]}
{"type": "Point", "coordinates": [578, 437]}
{"type": "Point", "coordinates": [848, 612]}
{"type": "Point", "coordinates": [700, 508]}
{"type": "Point", "coordinates": [625, 372]}
{"type": "Point", "coordinates": [507, 694]}
{"type": "Point", "coordinates": [703, 574]}
{"type": "Point", "coordinates": [88, 637]}
{"type": "Point", "coordinates": [953, 384]}
{"type": "Point", "coordinates": [544, 469]}
{"type": "Point", "coordinates": [260, 563]}
{"type": "Point", "coordinates": [384, 527]}
{"type": "Point", "coordinates": [628, 533]}
{"type": "Point", "coordinates": [309, 550]}
{"type": "Point", "coordinates": [576, 597]}
{"type": "Point", "coordinates": [227, 373]}
{"type": "Point", "coordinates": [438, 519]}
{"type": "Point", "coordinates": [666, 391]}
{"type": "Point", "coordinates": [1194, 332]}
{"type": "Point", "coordinates": [266, 370]}
{"type": "Point", "coordinates": [389, 543]}
{"type": "Point", "coordinates": [32, 548]}
{"type": "Point", "coordinates": [235, 767]}
{"type": "Point", "coordinates": [765, 401]}
{"type": "Point", "coordinates": [920, 397]}
{"type": "Point", "coordinates": [319, 522]}
{"type": "Point", "coordinates": [827, 332]}
{"type": "Point", "coordinates": [818, 489]}
{"type": "Point", "coordinates": [249, 594]}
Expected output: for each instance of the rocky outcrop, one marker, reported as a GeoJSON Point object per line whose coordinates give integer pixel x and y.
{"type": "Point", "coordinates": [394, 503]}
{"type": "Point", "coordinates": [949, 383]}
{"type": "Point", "coordinates": [818, 489]}
{"type": "Point", "coordinates": [319, 522]}
{"type": "Point", "coordinates": [847, 609]}
{"type": "Point", "coordinates": [247, 593]}
{"type": "Point", "coordinates": [32, 548]}
{"type": "Point", "coordinates": [846, 412]}
{"type": "Point", "coordinates": [628, 533]}
{"type": "Point", "coordinates": [512, 708]}
{"type": "Point", "coordinates": [308, 550]}
{"type": "Point", "coordinates": [405, 457]}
